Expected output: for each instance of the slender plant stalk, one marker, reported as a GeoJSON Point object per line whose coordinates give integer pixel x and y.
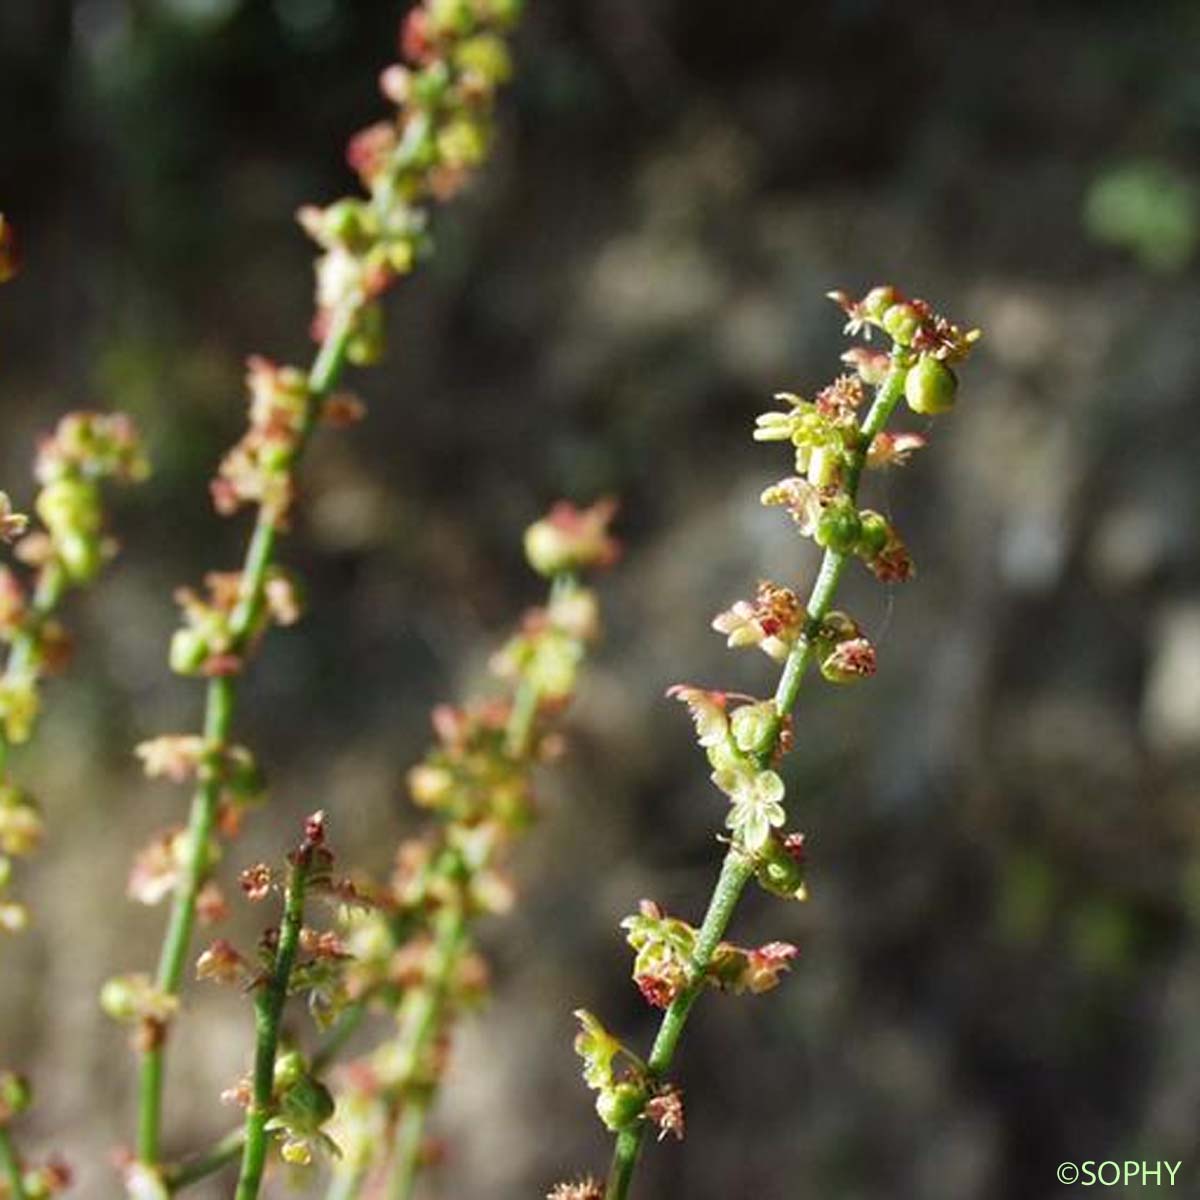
{"type": "Point", "coordinates": [268, 1009]}
{"type": "Point", "coordinates": [424, 1020]}
{"type": "Point", "coordinates": [426, 1017]}
{"type": "Point", "coordinates": [10, 1164]}
{"type": "Point", "coordinates": [737, 869]}
{"type": "Point", "coordinates": [220, 705]}
{"type": "Point", "coordinates": [218, 1156]}
{"type": "Point", "coordinates": [228, 1148]}
{"type": "Point", "coordinates": [51, 587]}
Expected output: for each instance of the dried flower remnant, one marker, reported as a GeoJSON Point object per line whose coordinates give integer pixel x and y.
{"type": "Point", "coordinates": [742, 737]}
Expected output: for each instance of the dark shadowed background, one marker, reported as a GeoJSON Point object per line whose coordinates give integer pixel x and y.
{"type": "Point", "coordinates": [1001, 956]}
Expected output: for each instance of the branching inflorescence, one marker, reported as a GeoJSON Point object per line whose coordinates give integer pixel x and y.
{"type": "Point", "coordinates": [743, 737]}
{"type": "Point", "coordinates": [66, 551]}
{"type": "Point", "coordinates": [404, 949]}
{"type": "Point", "coordinates": [456, 56]}
{"type": "Point", "coordinates": [414, 958]}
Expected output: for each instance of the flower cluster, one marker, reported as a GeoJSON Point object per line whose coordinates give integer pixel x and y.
{"type": "Point", "coordinates": [284, 1097]}
{"type": "Point", "coordinates": [412, 953]}
{"type": "Point", "coordinates": [259, 469]}
{"type": "Point", "coordinates": [455, 57]}
{"type": "Point", "coordinates": [627, 1096]}
{"type": "Point", "coordinates": [833, 441]}
{"type": "Point", "coordinates": [65, 552]}
{"type": "Point", "coordinates": [665, 947]}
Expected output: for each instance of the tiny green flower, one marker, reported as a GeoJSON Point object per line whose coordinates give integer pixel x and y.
{"type": "Point", "coordinates": [757, 804]}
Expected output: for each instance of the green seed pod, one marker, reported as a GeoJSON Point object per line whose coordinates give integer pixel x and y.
{"type": "Point", "coordinates": [874, 534]}
{"type": "Point", "coordinates": [429, 85]}
{"type": "Point", "coordinates": [901, 323]}
{"type": "Point", "coordinates": [120, 998]}
{"type": "Point", "coordinates": [289, 1069]}
{"type": "Point", "coordinates": [839, 528]}
{"type": "Point", "coordinates": [80, 553]}
{"type": "Point", "coordinates": [505, 13]}
{"type": "Point", "coordinates": [451, 16]}
{"type": "Point", "coordinates": [344, 220]}
{"type": "Point", "coordinates": [723, 757]}
{"type": "Point", "coordinates": [877, 301]}
{"type": "Point", "coordinates": [15, 1095]}
{"type": "Point", "coordinates": [189, 650]}
{"type": "Point", "coordinates": [306, 1105]}
{"type": "Point", "coordinates": [621, 1106]}
{"type": "Point", "coordinates": [754, 727]}
{"type": "Point", "coordinates": [366, 346]}
{"type": "Point", "coordinates": [930, 387]}
{"type": "Point", "coordinates": [485, 56]}
{"type": "Point", "coordinates": [70, 505]}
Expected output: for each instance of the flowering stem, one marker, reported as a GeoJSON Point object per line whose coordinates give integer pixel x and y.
{"type": "Point", "coordinates": [51, 587]}
{"type": "Point", "coordinates": [424, 1018]}
{"type": "Point", "coordinates": [218, 722]}
{"type": "Point", "coordinates": [11, 1166]}
{"type": "Point", "coordinates": [268, 1008]}
{"type": "Point", "coordinates": [737, 868]}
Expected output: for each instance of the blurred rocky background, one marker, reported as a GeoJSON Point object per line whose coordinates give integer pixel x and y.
{"type": "Point", "coordinates": [1001, 956]}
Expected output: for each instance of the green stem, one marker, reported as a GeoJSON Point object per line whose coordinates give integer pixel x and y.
{"type": "Point", "coordinates": [222, 1152]}
{"type": "Point", "coordinates": [10, 1163]}
{"type": "Point", "coordinates": [346, 1180]}
{"type": "Point", "coordinates": [220, 704]}
{"type": "Point", "coordinates": [268, 1009]}
{"type": "Point", "coordinates": [212, 1160]}
{"type": "Point", "coordinates": [737, 869]}
{"type": "Point", "coordinates": [51, 586]}
{"type": "Point", "coordinates": [422, 1020]}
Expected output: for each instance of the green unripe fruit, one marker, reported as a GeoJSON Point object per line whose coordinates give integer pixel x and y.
{"type": "Point", "coordinates": [506, 13]}
{"type": "Point", "coordinates": [289, 1069]}
{"type": "Point", "coordinates": [189, 649]}
{"type": "Point", "coordinates": [119, 998]}
{"type": "Point", "coordinates": [723, 757]}
{"type": "Point", "coordinates": [877, 301]}
{"type": "Point", "coordinates": [781, 876]}
{"type": "Point", "coordinates": [70, 505]}
{"type": "Point", "coordinates": [838, 528]}
{"type": "Point", "coordinates": [15, 1094]}
{"type": "Point", "coordinates": [485, 56]}
{"type": "Point", "coordinates": [620, 1107]}
{"type": "Point", "coordinates": [930, 387]}
{"type": "Point", "coordinates": [344, 220]}
{"type": "Point", "coordinates": [80, 554]}
{"type": "Point", "coordinates": [873, 534]}
{"type": "Point", "coordinates": [451, 16]}
{"type": "Point", "coordinates": [901, 323]}
{"type": "Point", "coordinates": [365, 347]}
{"type": "Point", "coordinates": [429, 85]}
{"type": "Point", "coordinates": [306, 1105]}
{"type": "Point", "coordinates": [754, 726]}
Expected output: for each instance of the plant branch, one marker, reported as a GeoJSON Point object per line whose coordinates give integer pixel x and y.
{"type": "Point", "coordinates": [268, 1009]}
{"type": "Point", "coordinates": [10, 1163]}
{"type": "Point", "coordinates": [423, 1018]}
{"type": "Point", "coordinates": [218, 722]}
{"type": "Point", "coordinates": [737, 868]}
